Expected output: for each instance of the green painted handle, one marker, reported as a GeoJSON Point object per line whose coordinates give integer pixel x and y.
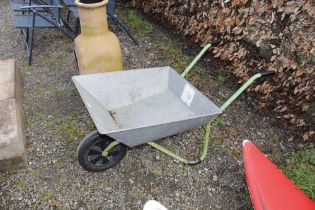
{"type": "Point", "coordinates": [244, 87]}
{"type": "Point", "coordinates": [197, 58]}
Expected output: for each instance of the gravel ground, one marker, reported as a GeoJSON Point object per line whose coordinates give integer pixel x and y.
{"type": "Point", "coordinates": [56, 120]}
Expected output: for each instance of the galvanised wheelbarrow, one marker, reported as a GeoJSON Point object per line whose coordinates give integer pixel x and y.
{"type": "Point", "coordinates": [134, 107]}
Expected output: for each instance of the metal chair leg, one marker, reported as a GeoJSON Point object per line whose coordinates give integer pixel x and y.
{"type": "Point", "coordinates": [22, 28]}
{"type": "Point", "coordinates": [77, 26]}
{"type": "Point", "coordinates": [68, 16]}
{"type": "Point", "coordinates": [27, 32]}
{"type": "Point", "coordinates": [30, 51]}
{"type": "Point", "coordinates": [122, 27]}
{"type": "Point", "coordinates": [70, 34]}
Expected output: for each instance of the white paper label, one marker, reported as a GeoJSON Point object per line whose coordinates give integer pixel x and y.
{"type": "Point", "coordinates": [188, 94]}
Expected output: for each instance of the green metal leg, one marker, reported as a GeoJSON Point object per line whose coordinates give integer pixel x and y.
{"type": "Point", "coordinates": [172, 154]}
{"type": "Point", "coordinates": [168, 152]}
{"type": "Point", "coordinates": [239, 91]}
{"type": "Point", "coordinates": [109, 147]}
{"type": "Point", "coordinates": [203, 153]}
{"type": "Point", "coordinates": [204, 149]}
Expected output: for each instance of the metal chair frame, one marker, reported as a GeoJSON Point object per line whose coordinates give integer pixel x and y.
{"type": "Point", "coordinates": [48, 14]}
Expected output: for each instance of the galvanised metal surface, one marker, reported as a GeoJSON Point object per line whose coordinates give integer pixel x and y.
{"type": "Point", "coordinates": [138, 106]}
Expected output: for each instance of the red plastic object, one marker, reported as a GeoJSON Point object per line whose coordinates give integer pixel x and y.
{"type": "Point", "coordinates": [269, 188]}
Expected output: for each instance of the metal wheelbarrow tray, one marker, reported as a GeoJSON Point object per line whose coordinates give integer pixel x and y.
{"type": "Point", "coordinates": [138, 106]}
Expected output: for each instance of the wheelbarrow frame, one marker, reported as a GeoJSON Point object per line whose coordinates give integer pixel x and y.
{"type": "Point", "coordinates": [207, 128]}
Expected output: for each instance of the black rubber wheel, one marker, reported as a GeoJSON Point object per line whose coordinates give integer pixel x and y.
{"type": "Point", "coordinates": [90, 152]}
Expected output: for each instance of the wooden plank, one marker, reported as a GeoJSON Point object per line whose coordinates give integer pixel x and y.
{"type": "Point", "coordinates": [12, 137]}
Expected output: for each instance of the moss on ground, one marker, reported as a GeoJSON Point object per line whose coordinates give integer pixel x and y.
{"type": "Point", "coordinates": [36, 173]}
{"type": "Point", "coordinates": [21, 183]}
{"type": "Point", "coordinates": [301, 170]}
{"type": "Point", "coordinates": [7, 175]}
{"type": "Point", "coordinates": [48, 196]}
{"type": "Point", "coordinates": [157, 171]}
{"type": "Point", "coordinates": [137, 22]}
